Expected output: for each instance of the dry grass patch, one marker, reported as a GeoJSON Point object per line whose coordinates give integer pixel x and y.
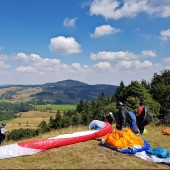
{"type": "Point", "coordinates": [29, 119]}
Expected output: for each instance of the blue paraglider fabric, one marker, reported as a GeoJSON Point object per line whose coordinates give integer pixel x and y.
{"type": "Point", "coordinates": [132, 150]}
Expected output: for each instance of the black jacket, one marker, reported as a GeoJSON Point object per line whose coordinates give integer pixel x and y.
{"type": "Point", "coordinates": [122, 118]}
{"type": "Point", "coordinates": [110, 119]}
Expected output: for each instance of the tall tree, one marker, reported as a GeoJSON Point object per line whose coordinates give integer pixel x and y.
{"type": "Point", "coordinates": [145, 84]}
{"type": "Point", "coordinates": [160, 90]}
{"type": "Point", "coordinates": [119, 91]}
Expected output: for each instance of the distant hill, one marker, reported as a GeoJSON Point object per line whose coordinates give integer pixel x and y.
{"type": "Point", "coordinates": [61, 92]}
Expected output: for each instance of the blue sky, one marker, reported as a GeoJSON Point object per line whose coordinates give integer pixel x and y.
{"type": "Point", "coordinates": [93, 41]}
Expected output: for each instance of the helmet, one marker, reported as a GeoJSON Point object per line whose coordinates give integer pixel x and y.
{"type": "Point", "coordinates": [119, 103]}
{"type": "Point", "coordinates": [3, 124]}
{"type": "Point", "coordinates": [110, 113]}
{"type": "Point", "coordinates": [142, 102]}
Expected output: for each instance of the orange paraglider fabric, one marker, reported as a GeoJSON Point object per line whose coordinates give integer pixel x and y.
{"type": "Point", "coordinates": [123, 139]}
{"type": "Point", "coordinates": [166, 132]}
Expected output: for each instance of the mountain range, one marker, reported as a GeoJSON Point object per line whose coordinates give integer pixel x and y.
{"type": "Point", "coordinates": [61, 92]}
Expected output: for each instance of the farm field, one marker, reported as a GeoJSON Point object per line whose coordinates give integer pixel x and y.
{"type": "Point", "coordinates": [32, 119]}
{"type": "Point", "coordinates": [57, 107]}
{"type": "Point", "coordinates": [29, 119]}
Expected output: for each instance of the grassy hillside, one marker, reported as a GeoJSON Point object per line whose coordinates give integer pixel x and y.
{"type": "Point", "coordinates": [87, 155]}
{"type": "Point", "coordinates": [18, 93]}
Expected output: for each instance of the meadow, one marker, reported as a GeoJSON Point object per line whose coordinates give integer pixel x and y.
{"type": "Point", "coordinates": [29, 119]}
{"type": "Point", "coordinates": [87, 155]}
{"type": "Point", "coordinates": [57, 107]}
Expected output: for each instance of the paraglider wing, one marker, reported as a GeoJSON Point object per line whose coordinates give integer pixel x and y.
{"type": "Point", "coordinates": [32, 147]}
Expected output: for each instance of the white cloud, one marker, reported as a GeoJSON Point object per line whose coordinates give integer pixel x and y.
{"type": "Point", "coordinates": [35, 59]}
{"type": "Point", "coordinates": [21, 56]}
{"type": "Point", "coordinates": [148, 53]}
{"type": "Point", "coordinates": [165, 35]}
{"type": "Point", "coordinates": [69, 22]}
{"type": "Point", "coordinates": [3, 60]}
{"type": "Point", "coordinates": [3, 65]}
{"type": "Point", "coordinates": [27, 69]}
{"type": "Point", "coordinates": [64, 46]}
{"type": "Point", "coordinates": [103, 65]}
{"type": "Point", "coordinates": [159, 8]}
{"type": "Point", "coordinates": [33, 69]}
{"type": "Point", "coordinates": [167, 59]}
{"type": "Point", "coordinates": [134, 64]}
{"type": "Point", "coordinates": [120, 55]}
{"type": "Point", "coordinates": [115, 9]}
{"type": "Point", "coordinates": [76, 66]}
{"type": "Point", "coordinates": [104, 30]}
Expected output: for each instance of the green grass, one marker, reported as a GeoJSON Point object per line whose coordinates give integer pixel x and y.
{"type": "Point", "coordinates": [55, 107]}
{"type": "Point", "coordinates": [87, 155]}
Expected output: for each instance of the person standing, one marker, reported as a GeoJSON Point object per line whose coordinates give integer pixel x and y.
{"type": "Point", "coordinates": [122, 120]}
{"type": "Point", "coordinates": [3, 131]}
{"type": "Point", "coordinates": [143, 116]}
{"type": "Point", "coordinates": [110, 117]}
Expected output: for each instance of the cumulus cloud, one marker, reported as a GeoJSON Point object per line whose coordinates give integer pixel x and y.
{"type": "Point", "coordinates": [121, 55]}
{"type": "Point", "coordinates": [76, 66]}
{"type": "Point", "coordinates": [21, 56]}
{"type": "Point", "coordinates": [37, 63]}
{"type": "Point", "coordinates": [116, 9]}
{"type": "Point", "coordinates": [33, 69]}
{"type": "Point", "coordinates": [104, 30]}
{"type": "Point", "coordinates": [27, 69]}
{"type": "Point", "coordinates": [148, 53]}
{"type": "Point", "coordinates": [165, 35]}
{"type": "Point", "coordinates": [64, 46]}
{"type": "Point", "coordinates": [136, 64]}
{"type": "Point", "coordinates": [35, 59]}
{"type": "Point", "coordinates": [103, 65]}
{"type": "Point", "coordinates": [69, 22]}
{"type": "Point", "coordinates": [40, 65]}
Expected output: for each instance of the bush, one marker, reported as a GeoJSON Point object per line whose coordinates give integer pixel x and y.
{"type": "Point", "coordinates": [21, 133]}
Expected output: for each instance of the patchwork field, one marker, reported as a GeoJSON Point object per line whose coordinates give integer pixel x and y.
{"type": "Point", "coordinates": [29, 119]}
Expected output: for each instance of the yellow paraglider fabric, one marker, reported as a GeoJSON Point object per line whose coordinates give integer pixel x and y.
{"type": "Point", "coordinates": [166, 131]}
{"type": "Point", "coordinates": [145, 132]}
{"type": "Point", "coordinates": [123, 139]}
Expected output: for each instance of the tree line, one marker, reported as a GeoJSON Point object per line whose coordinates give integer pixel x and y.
{"type": "Point", "coordinates": [9, 110]}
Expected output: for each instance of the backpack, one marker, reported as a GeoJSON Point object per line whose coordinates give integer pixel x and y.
{"type": "Point", "coordinates": [148, 115]}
